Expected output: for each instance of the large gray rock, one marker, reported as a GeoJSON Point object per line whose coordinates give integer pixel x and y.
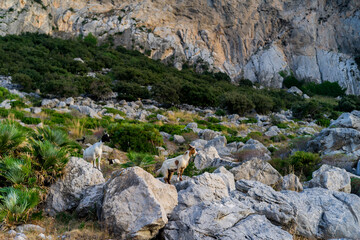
{"type": "Point", "coordinates": [336, 140]}
{"type": "Point", "coordinates": [227, 176]}
{"type": "Point", "coordinates": [217, 142]}
{"type": "Point", "coordinates": [206, 157]}
{"type": "Point", "coordinates": [91, 202]}
{"type": "Point", "coordinates": [326, 214]}
{"type": "Point", "coordinates": [207, 187]}
{"type": "Point", "coordinates": [253, 149]}
{"type": "Point", "coordinates": [295, 90]}
{"type": "Point", "coordinates": [66, 193]}
{"type": "Point", "coordinates": [30, 228]}
{"type": "Point", "coordinates": [331, 178]}
{"type": "Point", "coordinates": [225, 219]}
{"type": "Point", "coordinates": [347, 120]}
{"type": "Point", "coordinates": [85, 110]}
{"type": "Point", "coordinates": [199, 144]}
{"type": "Point", "coordinates": [265, 201]}
{"type": "Point", "coordinates": [312, 213]}
{"type": "Point", "coordinates": [208, 134]}
{"type": "Point", "coordinates": [257, 170]}
{"type": "Point", "coordinates": [291, 182]}
{"type": "Point", "coordinates": [136, 205]}
{"type": "Point", "coordinates": [205, 219]}
{"type": "Point", "coordinates": [50, 103]}
{"type": "Point", "coordinates": [255, 227]}
{"type": "Point", "coordinates": [179, 139]}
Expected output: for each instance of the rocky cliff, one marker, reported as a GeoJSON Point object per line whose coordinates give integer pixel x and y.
{"type": "Point", "coordinates": [317, 40]}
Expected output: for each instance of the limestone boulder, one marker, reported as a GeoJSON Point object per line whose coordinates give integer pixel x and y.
{"type": "Point", "coordinates": [321, 213]}
{"type": "Point", "coordinates": [331, 178]}
{"type": "Point", "coordinates": [225, 219]}
{"type": "Point", "coordinates": [136, 205]}
{"type": "Point", "coordinates": [86, 110]}
{"type": "Point", "coordinates": [257, 170]}
{"type": "Point", "coordinates": [67, 192]}
{"type": "Point", "coordinates": [208, 134]}
{"type": "Point", "coordinates": [253, 149]}
{"type": "Point", "coordinates": [91, 202]}
{"type": "Point", "coordinates": [206, 157]}
{"type": "Point", "coordinates": [179, 139]}
{"type": "Point", "coordinates": [207, 187]}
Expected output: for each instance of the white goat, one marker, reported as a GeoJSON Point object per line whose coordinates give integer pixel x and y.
{"type": "Point", "coordinates": [178, 164]}
{"type": "Point", "coordinates": [94, 152]}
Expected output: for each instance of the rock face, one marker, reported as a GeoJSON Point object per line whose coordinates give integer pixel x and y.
{"type": "Point", "coordinates": [257, 170]}
{"type": "Point", "coordinates": [314, 213]}
{"type": "Point", "coordinates": [65, 194]}
{"type": "Point", "coordinates": [332, 178]}
{"type": "Point", "coordinates": [316, 39]}
{"type": "Point", "coordinates": [342, 137]}
{"type": "Point", "coordinates": [136, 204]}
{"type": "Point", "coordinates": [226, 219]}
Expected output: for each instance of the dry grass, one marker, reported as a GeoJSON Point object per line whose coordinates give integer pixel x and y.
{"type": "Point", "coordinates": [76, 128]}
{"type": "Point", "coordinates": [71, 227]}
{"type": "Point", "coordinates": [181, 116]}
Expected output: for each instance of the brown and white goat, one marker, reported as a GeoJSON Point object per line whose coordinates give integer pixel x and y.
{"type": "Point", "coordinates": [178, 164]}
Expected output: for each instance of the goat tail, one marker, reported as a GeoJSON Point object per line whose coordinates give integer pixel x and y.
{"type": "Point", "coordinates": [158, 172]}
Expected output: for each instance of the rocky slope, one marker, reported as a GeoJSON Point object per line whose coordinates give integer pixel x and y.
{"type": "Point", "coordinates": [317, 40]}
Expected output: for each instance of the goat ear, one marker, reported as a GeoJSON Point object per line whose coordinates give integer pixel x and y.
{"type": "Point", "coordinates": [192, 147]}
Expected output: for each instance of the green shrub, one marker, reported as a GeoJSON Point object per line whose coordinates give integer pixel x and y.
{"type": "Point", "coordinates": [231, 139]}
{"type": "Point", "coordinates": [90, 40]}
{"type": "Point", "coordinates": [282, 125]}
{"type": "Point", "coordinates": [323, 122]}
{"type": "Point", "coordinates": [213, 120]}
{"type": "Point", "coordinates": [301, 163]}
{"type": "Point", "coordinates": [5, 94]}
{"type": "Point", "coordinates": [278, 138]}
{"type": "Point", "coordinates": [115, 111]}
{"type": "Point", "coordinates": [290, 81]}
{"type": "Point", "coordinates": [18, 104]}
{"type": "Point", "coordinates": [220, 112]}
{"type": "Point", "coordinates": [263, 104]}
{"type": "Point", "coordinates": [234, 102]}
{"type": "Point", "coordinates": [135, 137]}
{"type": "Point", "coordinates": [355, 186]}
{"type": "Point", "coordinates": [245, 82]}
{"type": "Point", "coordinates": [250, 120]}
{"type": "Point", "coordinates": [191, 170]}
{"type": "Point", "coordinates": [326, 89]}
{"type": "Point", "coordinates": [348, 103]}
{"type": "Point", "coordinates": [173, 129]}
{"type": "Point", "coordinates": [30, 120]}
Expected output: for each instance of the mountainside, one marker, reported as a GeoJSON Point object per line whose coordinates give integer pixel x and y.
{"type": "Point", "coordinates": [317, 40]}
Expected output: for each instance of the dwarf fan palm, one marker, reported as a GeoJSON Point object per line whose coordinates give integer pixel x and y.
{"type": "Point", "coordinates": [56, 137]}
{"type": "Point", "coordinates": [17, 204]}
{"type": "Point", "coordinates": [11, 138]}
{"type": "Point", "coordinates": [139, 159]}
{"type": "Point", "coordinates": [49, 159]}
{"type": "Point", "coordinates": [15, 170]}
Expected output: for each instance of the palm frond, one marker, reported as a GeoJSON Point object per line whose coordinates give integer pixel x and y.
{"type": "Point", "coordinates": [17, 203]}
{"type": "Point", "coordinates": [11, 138]}
{"type": "Point", "coordinates": [15, 170]}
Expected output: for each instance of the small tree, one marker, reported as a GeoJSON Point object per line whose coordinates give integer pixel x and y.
{"type": "Point", "coordinates": [90, 40]}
